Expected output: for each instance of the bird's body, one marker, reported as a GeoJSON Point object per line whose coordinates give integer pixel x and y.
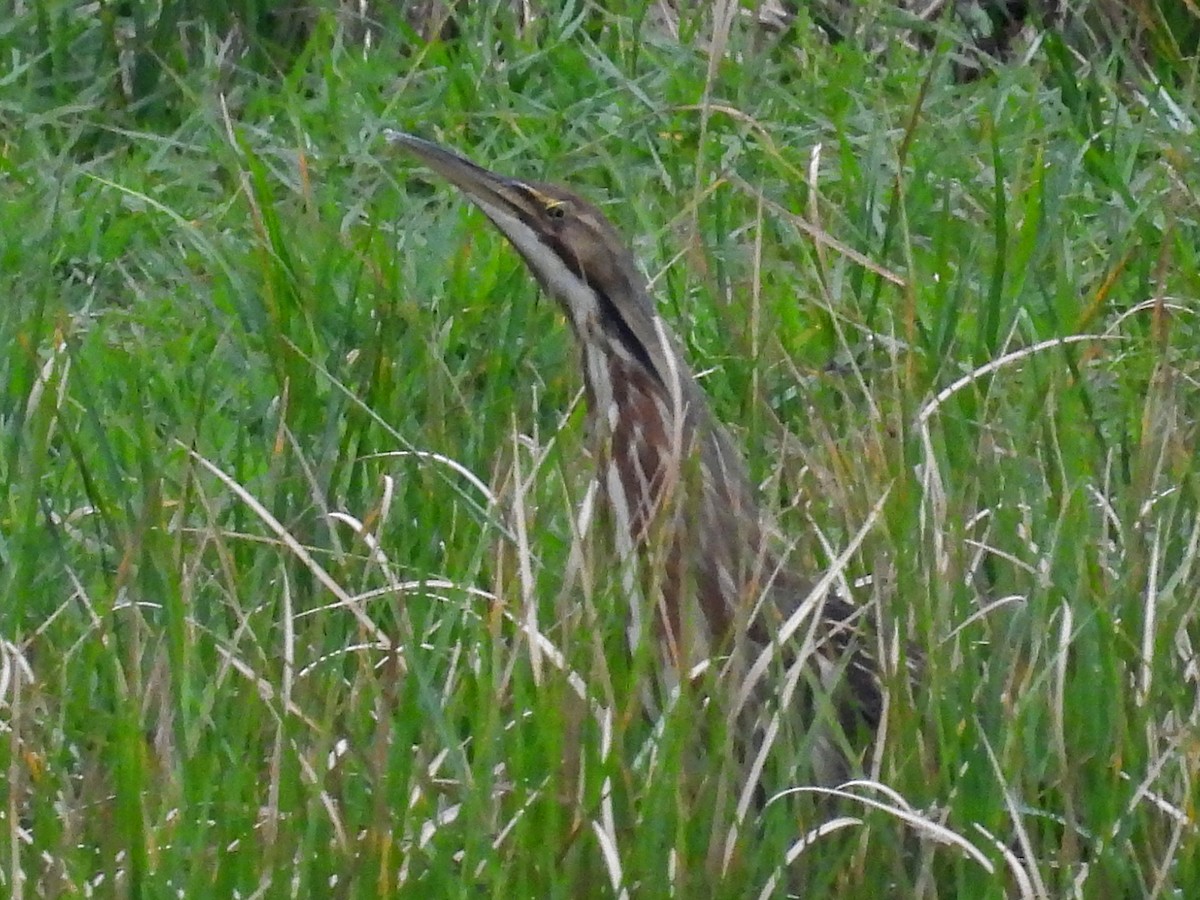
{"type": "Point", "coordinates": [677, 490]}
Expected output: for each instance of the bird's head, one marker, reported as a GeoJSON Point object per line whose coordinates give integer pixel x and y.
{"type": "Point", "coordinates": [570, 247]}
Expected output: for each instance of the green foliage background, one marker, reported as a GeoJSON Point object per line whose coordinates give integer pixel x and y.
{"type": "Point", "coordinates": [273, 400]}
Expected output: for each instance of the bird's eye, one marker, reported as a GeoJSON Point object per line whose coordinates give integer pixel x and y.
{"type": "Point", "coordinates": [556, 211]}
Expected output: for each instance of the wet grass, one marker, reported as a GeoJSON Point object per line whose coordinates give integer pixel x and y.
{"type": "Point", "coordinates": [292, 595]}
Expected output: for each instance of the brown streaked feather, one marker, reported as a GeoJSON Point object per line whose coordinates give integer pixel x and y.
{"type": "Point", "coordinates": [679, 490]}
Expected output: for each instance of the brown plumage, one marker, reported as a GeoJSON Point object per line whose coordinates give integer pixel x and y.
{"type": "Point", "coordinates": [677, 491]}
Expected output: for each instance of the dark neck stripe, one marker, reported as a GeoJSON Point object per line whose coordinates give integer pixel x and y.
{"type": "Point", "coordinates": [611, 319]}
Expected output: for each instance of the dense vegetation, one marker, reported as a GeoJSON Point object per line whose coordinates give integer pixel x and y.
{"type": "Point", "coordinates": [291, 597]}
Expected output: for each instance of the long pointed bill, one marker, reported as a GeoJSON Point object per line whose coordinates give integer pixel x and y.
{"type": "Point", "coordinates": [515, 208]}
{"type": "Point", "coordinates": [486, 188]}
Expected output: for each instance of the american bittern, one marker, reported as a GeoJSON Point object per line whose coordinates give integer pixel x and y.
{"type": "Point", "coordinates": [677, 491]}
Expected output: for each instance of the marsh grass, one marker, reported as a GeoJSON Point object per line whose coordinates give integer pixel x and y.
{"type": "Point", "coordinates": [296, 597]}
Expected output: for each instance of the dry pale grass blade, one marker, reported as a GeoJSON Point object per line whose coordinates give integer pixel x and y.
{"type": "Point", "coordinates": [1025, 886]}
{"type": "Point", "coordinates": [605, 827]}
{"type": "Point", "coordinates": [408, 452]}
{"type": "Point", "coordinates": [1058, 705]}
{"type": "Point", "coordinates": [1023, 867]}
{"type": "Point", "coordinates": [1175, 812]}
{"type": "Point", "coordinates": [1011, 558]}
{"type": "Point", "coordinates": [1170, 304]}
{"type": "Point", "coordinates": [723, 14]}
{"type": "Point", "coordinates": [502, 835]}
{"type": "Point", "coordinates": [345, 600]}
{"type": "Point", "coordinates": [608, 820]}
{"type": "Point", "coordinates": [1065, 635]}
{"type": "Point", "coordinates": [55, 371]}
{"type": "Point", "coordinates": [428, 587]}
{"type": "Point", "coordinates": [577, 571]}
{"type": "Point", "coordinates": [899, 809]}
{"type": "Point", "coordinates": [1165, 878]}
{"type": "Point", "coordinates": [440, 458]}
{"type": "Point", "coordinates": [529, 601]}
{"type": "Point", "coordinates": [370, 538]}
{"type": "Point", "coordinates": [932, 511]}
{"type": "Point", "coordinates": [271, 808]}
{"type": "Point", "coordinates": [422, 587]}
{"type": "Point", "coordinates": [612, 860]}
{"type": "Point", "coordinates": [1182, 575]}
{"type": "Point", "coordinates": [79, 593]}
{"type": "Point", "coordinates": [266, 688]}
{"type": "Point", "coordinates": [1150, 617]}
{"type": "Point", "coordinates": [14, 669]}
{"type": "Point", "coordinates": [807, 613]}
{"type": "Point", "coordinates": [931, 408]}
{"type": "Point", "coordinates": [819, 235]}
{"type": "Point", "coordinates": [931, 514]}
{"type": "Point", "coordinates": [798, 847]}
{"type": "Point", "coordinates": [982, 613]}
{"type": "Point", "coordinates": [15, 674]}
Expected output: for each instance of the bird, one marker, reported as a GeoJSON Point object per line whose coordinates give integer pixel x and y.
{"type": "Point", "coordinates": [677, 491]}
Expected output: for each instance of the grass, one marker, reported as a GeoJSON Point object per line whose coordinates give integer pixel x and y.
{"type": "Point", "coordinates": [290, 454]}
